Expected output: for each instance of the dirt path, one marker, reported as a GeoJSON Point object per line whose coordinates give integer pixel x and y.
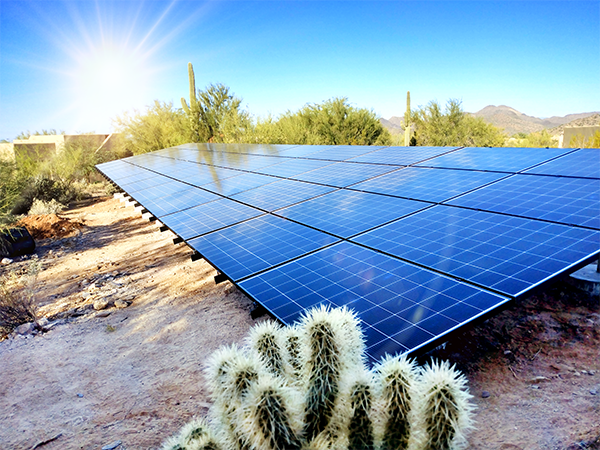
{"type": "Point", "coordinates": [134, 374]}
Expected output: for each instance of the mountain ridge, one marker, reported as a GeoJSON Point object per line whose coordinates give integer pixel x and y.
{"type": "Point", "coordinates": [510, 120]}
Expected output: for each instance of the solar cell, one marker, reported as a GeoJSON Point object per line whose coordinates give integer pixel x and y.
{"type": "Point", "coordinates": [143, 182]}
{"type": "Point", "coordinates": [584, 162]}
{"type": "Point", "coordinates": [402, 156]}
{"type": "Point", "coordinates": [510, 160]}
{"type": "Point", "coordinates": [565, 200]}
{"type": "Point", "coordinates": [280, 194]}
{"type": "Point", "coordinates": [303, 150]}
{"type": "Point", "coordinates": [507, 254]}
{"type": "Point", "coordinates": [432, 185]}
{"type": "Point", "coordinates": [258, 244]}
{"type": "Point", "coordinates": [343, 174]}
{"type": "Point", "coordinates": [402, 307]}
{"type": "Point", "coordinates": [345, 213]}
{"type": "Point", "coordinates": [208, 217]}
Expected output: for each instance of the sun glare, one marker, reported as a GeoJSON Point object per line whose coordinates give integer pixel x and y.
{"type": "Point", "coordinates": [108, 82]}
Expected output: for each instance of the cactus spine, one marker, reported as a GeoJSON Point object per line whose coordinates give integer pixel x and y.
{"type": "Point", "coordinates": [307, 387]}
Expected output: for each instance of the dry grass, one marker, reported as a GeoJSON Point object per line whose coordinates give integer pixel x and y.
{"type": "Point", "coordinates": [17, 302]}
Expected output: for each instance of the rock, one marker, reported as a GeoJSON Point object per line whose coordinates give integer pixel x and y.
{"type": "Point", "coordinates": [80, 395]}
{"type": "Point", "coordinates": [101, 303]}
{"type": "Point", "coordinates": [27, 328]}
{"type": "Point", "coordinates": [539, 379]}
{"type": "Point", "coordinates": [594, 391]}
{"type": "Point", "coordinates": [485, 394]}
{"type": "Point", "coordinates": [112, 446]}
{"type": "Point", "coordinates": [104, 313]}
{"type": "Point", "coordinates": [121, 303]}
{"type": "Point", "coordinates": [591, 372]}
{"type": "Point", "coordinates": [43, 322]}
{"type": "Point", "coordinates": [535, 386]}
{"type": "Point", "coordinates": [6, 261]}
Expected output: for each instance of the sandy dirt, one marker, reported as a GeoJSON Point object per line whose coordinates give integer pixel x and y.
{"type": "Point", "coordinates": [134, 373]}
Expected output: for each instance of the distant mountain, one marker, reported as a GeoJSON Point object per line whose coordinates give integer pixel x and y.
{"type": "Point", "coordinates": [513, 121]}
{"type": "Point", "coordinates": [509, 119]}
{"type": "Point", "coordinates": [586, 121]}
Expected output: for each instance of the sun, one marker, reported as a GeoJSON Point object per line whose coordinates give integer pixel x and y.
{"type": "Point", "coordinates": [108, 81]}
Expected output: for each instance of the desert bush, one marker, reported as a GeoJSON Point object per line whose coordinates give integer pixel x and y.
{"type": "Point", "coordinates": [17, 301]}
{"type": "Point", "coordinates": [308, 387]}
{"type": "Point", "coordinates": [40, 207]}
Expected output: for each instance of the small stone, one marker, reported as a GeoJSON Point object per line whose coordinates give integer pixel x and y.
{"type": "Point", "coordinates": [112, 446]}
{"type": "Point", "coordinates": [121, 303]}
{"type": "Point", "coordinates": [6, 261]}
{"type": "Point", "coordinates": [104, 313]}
{"type": "Point", "coordinates": [507, 352]}
{"type": "Point", "coordinates": [535, 386]}
{"type": "Point", "coordinates": [80, 395]}
{"type": "Point", "coordinates": [485, 394]}
{"type": "Point", "coordinates": [594, 391]}
{"type": "Point", "coordinates": [43, 322]}
{"type": "Point", "coordinates": [26, 328]}
{"type": "Point", "coordinates": [538, 379]}
{"type": "Point", "coordinates": [576, 374]}
{"type": "Point", "coordinates": [101, 303]}
{"type": "Point", "coordinates": [591, 372]}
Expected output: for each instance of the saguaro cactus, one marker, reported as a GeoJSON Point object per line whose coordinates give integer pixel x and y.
{"type": "Point", "coordinates": [407, 121]}
{"type": "Point", "coordinates": [307, 387]}
{"type": "Point", "coordinates": [193, 110]}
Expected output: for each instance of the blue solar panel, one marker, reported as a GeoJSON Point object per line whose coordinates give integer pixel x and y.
{"type": "Point", "coordinates": [510, 160]}
{"type": "Point", "coordinates": [208, 217]}
{"type": "Point", "coordinates": [343, 174]}
{"type": "Point", "coordinates": [432, 185]}
{"type": "Point", "coordinates": [243, 182]}
{"type": "Point", "coordinates": [160, 203]}
{"type": "Point", "coordinates": [503, 253]}
{"type": "Point", "coordinates": [573, 201]}
{"type": "Point", "coordinates": [402, 307]}
{"type": "Point", "coordinates": [280, 194]}
{"type": "Point", "coordinates": [402, 156]}
{"type": "Point", "coordinates": [342, 152]}
{"type": "Point", "coordinates": [258, 244]}
{"type": "Point", "coordinates": [303, 151]}
{"type": "Point", "coordinates": [584, 162]}
{"type": "Point", "coordinates": [414, 269]}
{"type": "Point", "coordinates": [293, 166]}
{"type": "Point", "coordinates": [345, 213]}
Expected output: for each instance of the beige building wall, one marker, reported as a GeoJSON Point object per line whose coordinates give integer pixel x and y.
{"type": "Point", "coordinates": [577, 132]}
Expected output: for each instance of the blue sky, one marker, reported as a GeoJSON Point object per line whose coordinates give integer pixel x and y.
{"type": "Point", "coordinates": [75, 65]}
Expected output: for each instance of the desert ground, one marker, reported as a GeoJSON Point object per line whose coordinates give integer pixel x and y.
{"type": "Point", "coordinates": [129, 375]}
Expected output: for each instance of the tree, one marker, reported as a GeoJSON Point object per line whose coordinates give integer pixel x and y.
{"type": "Point", "coordinates": [453, 127]}
{"type": "Point", "coordinates": [215, 114]}
{"type": "Point", "coordinates": [160, 126]}
{"type": "Point", "coordinates": [581, 142]}
{"type": "Point", "coordinates": [333, 122]}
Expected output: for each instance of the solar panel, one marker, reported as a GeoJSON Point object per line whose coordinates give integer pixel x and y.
{"type": "Point", "coordinates": [345, 213]}
{"type": "Point", "coordinates": [418, 240]}
{"type": "Point", "coordinates": [208, 217]}
{"type": "Point", "coordinates": [343, 174]}
{"type": "Point", "coordinates": [572, 201]}
{"type": "Point", "coordinates": [432, 185]}
{"type": "Point", "coordinates": [258, 244]}
{"type": "Point", "coordinates": [402, 307]}
{"type": "Point", "coordinates": [170, 198]}
{"type": "Point", "coordinates": [576, 164]}
{"type": "Point", "coordinates": [402, 156]}
{"type": "Point", "coordinates": [242, 182]}
{"type": "Point", "coordinates": [342, 152]}
{"type": "Point", "coordinates": [510, 160]}
{"type": "Point", "coordinates": [506, 254]}
{"type": "Point", "coordinates": [280, 194]}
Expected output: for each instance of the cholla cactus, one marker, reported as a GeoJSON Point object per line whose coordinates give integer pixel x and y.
{"type": "Point", "coordinates": [307, 387]}
{"type": "Point", "coordinates": [443, 411]}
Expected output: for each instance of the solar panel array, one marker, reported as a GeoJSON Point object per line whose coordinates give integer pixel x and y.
{"type": "Point", "coordinates": [419, 241]}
